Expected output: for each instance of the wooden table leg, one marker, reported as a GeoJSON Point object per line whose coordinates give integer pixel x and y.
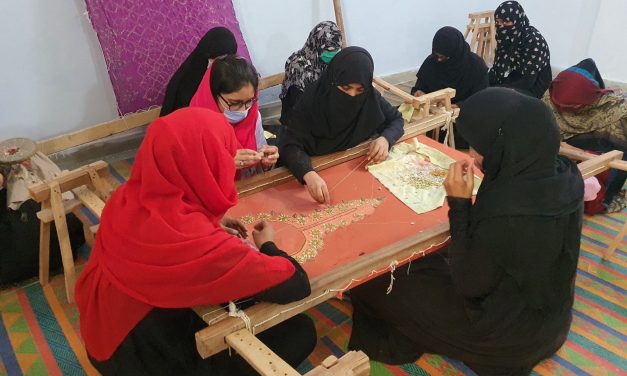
{"type": "Point", "coordinates": [56, 200]}
{"type": "Point", "coordinates": [44, 247]}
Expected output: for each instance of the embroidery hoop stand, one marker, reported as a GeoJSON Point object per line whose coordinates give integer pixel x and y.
{"type": "Point", "coordinates": [483, 41]}
{"type": "Point", "coordinates": [91, 190]}
{"type": "Point", "coordinates": [593, 165]}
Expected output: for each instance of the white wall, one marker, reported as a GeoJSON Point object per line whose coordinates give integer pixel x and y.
{"type": "Point", "coordinates": [398, 34]}
{"type": "Point", "coordinates": [53, 78]}
{"type": "Point", "coordinates": [607, 45]}
{"type": "Point", "coordinates": [567, 25]}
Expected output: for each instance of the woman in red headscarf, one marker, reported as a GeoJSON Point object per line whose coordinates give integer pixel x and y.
{"type": "Point", "coordinates": [229, 86]}
{"type": "Point", "coordinates": [162, 248]}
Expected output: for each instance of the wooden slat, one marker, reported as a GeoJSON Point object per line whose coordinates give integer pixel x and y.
{"type": "Point", "coordinates": [210, 340]}
{"type": "Point", "coordinates": [96, 132]}
{"type": "Point", "coordinates": [258, 355]}
{"type": "Point", "coordinates": [353, 363]}
{"type": "Point", "coordinates": [598, 164]}
{"type": "Point", "coordinates": [69, 180]}
{"type": "Point", "coordinates": [270, 81]}
{"type": "Point", "coordinates": [56, 203]}
{"type": "Point", "coordinates": [282, 175]}
{"type": "Point", "coordinates": [339, 20]}
{"type": "Point", "coordinates": [44, 246]}
{"type": "Point", "coordinates": [45, 215]}
{"type": "Point", "coordinates": [90, 200]}
{"type": "Point", "coordinates": [122, 124]}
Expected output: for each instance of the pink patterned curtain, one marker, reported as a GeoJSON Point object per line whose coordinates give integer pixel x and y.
{"type": "Point", "coordinates": [144, 42]}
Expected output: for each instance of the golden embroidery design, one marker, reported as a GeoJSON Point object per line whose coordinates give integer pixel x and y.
{"type": "Point", "coordinates": [318, 223]}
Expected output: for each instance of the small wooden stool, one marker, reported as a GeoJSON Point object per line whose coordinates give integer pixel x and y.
{"type": "Point", "coordinates": [91, 190]}
{"type": "Point", "coordinates": [483, 30]}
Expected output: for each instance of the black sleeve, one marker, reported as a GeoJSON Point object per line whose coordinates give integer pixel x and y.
{"type": "Point", "coordinates": [292, 96]}
{"type": "Point", "coordinates": [416, 87]}
{"type": "Point", "coordinates": [392, 129]}
{"type": "Point", "coordinates": [295, 288]}
{"type": "Point", "coordinates": [294, 156]}
{"type": "Point", "coordinates": [473, 272]}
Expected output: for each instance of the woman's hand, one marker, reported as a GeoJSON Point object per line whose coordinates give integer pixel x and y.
{"type": "Point", "coordinates": [246, 158]}
{"type": "Point", "coordinates": [270, 156]}
{"type": "Point", "coordinates": [378, 150]}
{"type": "Point", "coordinates": [460, 180]}
{"type": "Point", "coordinates": [263, 233]}
{"type": "Point", "coordinates": [234, 227]}
{"type": "Point", "coordinates": [317, 187]}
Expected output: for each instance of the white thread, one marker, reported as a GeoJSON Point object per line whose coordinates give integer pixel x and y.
{"type": "Point", "coordinates": [392, 267]}
{"type": "Point", "coordinates": [236, 312]}
{"type": "Point", "coordinates": [333, 291]}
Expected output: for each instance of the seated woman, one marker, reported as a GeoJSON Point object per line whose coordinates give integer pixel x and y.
{"type": "Point", "coordinates": [522, 59]}
{"type": "Point", "coordinates": [184, 83]}
{"type": "Point", "coordinates": [593, 118]}
{"type": "Point", "coordinates": [500, 298]}
{"type": "Point", "coordinates": [161, 249]}
{"type": "Point", "coordinates": [230, 87]}
{"type": "Point", "coordinates": [451, 64]}
{"type": "Point", "coordinates": [305, 66]}
{"type": "Point", "coordinates": [340, 110]}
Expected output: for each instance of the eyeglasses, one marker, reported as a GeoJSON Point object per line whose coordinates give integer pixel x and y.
{"type": "Point", "coordinates": [238, 105]}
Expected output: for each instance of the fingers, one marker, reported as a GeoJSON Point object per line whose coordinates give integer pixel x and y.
{"type": "Point", "coordinates": [470, 177]}
{"type": "Point", "coordinates": [325, 194]}
{"type": "Point", "coordinates": [261, 226]}
{"type": "Point", "coordinates": [371, 150]}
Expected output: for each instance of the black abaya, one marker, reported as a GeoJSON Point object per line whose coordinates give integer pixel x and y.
{"type": "Point", "coordinates": [500, 300]}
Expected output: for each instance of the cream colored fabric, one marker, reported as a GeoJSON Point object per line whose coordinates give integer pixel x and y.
{"type": "Point", "coordinates": [414, 173]}
{"type": "Point", "coordinates": [38, 168]}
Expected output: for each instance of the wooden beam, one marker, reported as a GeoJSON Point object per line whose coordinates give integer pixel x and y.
{"type": "Point", "coordinates": [270, 81]}
{"type": "Point", "coordinates": [69, 180]}
{"type": "Point", "coordinates": [56, 202]}
{"type": "Point", "coordinates": [90, 200]}
{"type": "Point", "coordinates": [599, 163]}
{"type": "Point", "coordinates": [46, 216]}
{"type": "Point", "coordinates": [211, 340]}
{"type": "Point", "coordinates": [282, 175]}
{"type": "Point", "coordinates": [96, 132]}
{"type": "Point", "coordinates": [122, 124]}
{"type": "Point", "coordinates": [339, 20]}
{"type": "Point", "coordinates": [353, 363]}
{"type": "Point", "coordinates": [258, 355]}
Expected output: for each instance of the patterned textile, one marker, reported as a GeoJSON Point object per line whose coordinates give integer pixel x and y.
{"type": "Point", "coordinates": [607, 117]}
{"type": "Point", "coordinates": [144, 42]}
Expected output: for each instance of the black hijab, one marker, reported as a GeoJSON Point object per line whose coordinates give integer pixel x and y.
{"type": "Point", "coordinates": [519, 140]}
{"type": "Point", "coordinates": [184, 83]}
{"type": "Point", "coordinates": [462, 70]}
{"type": "Point", "coordinates": [326, 119]}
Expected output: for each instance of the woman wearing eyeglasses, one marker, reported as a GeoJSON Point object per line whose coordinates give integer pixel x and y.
{"type": "Point", "coordinates": [230, 87]}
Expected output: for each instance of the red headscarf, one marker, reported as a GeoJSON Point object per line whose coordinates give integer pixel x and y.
{"type": "Point", "coordinates": [160, 243]}
{"type": "Point", "coordinates": [245, 129]}
{"type": "Point", "coordinates": [572, 91]}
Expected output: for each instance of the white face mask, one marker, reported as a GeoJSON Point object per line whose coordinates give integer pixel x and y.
{"type": "Point", "coordinates": [235, 117]}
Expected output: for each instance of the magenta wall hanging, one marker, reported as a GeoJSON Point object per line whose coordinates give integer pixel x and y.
{"type": "Point", "coordinates": [144, 42]}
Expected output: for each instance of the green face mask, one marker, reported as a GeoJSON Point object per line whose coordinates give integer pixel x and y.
{"type": "Point", "coordinates": [327, 56]}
